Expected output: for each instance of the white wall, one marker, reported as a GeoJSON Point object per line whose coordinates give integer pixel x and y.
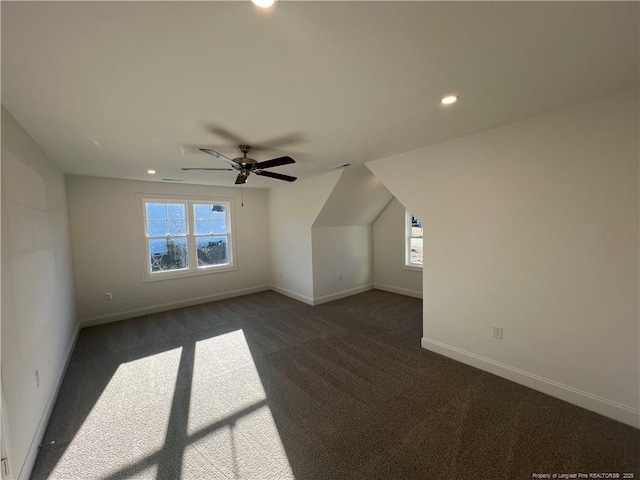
{"type": "Point", "coordinates": [292, 210]}
{"type": "Point", "coordinates": [106, 232]}
{"type": "Point", "coordinates": [342, 236]}
{"type": "Point", "coordinates": [534, 227]}
{"type": "Point", "coordinates": [356, 199]}
{"type": "Point", "coordinates": [389, 272]}
{"type": "Point", "coordinates": [342, 262]}
{"type": "Point", "coordinates": [39, 323]}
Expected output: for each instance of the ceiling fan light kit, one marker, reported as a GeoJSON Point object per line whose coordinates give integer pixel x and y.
{"type": "Point", "coordinates": [245, 165]}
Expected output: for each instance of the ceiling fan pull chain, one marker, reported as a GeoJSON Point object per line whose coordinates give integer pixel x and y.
{"type": "Point", "coordinates": [241, 198]}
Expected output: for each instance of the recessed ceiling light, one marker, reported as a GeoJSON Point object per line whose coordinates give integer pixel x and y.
{"type": "Point", "coordinates": [263, 3]}
{"type": "Point", "coordinates": [449, 99]}
{"type": "Point", "coordinates": [151, 172]}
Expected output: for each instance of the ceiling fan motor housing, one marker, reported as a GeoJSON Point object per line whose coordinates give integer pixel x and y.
{"type": "Point", "coordinates": [245, 162]}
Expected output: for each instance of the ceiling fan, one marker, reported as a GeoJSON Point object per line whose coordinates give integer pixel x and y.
{"type": "Point", "coordinates": [246, 166]}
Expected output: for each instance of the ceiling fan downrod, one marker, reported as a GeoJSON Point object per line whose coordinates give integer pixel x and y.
{"type": "Point", "coordinates": [245, 149]}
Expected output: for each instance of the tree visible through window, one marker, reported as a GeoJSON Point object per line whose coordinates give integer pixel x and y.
{"type": "Point", "coordinates": [185, 236]}
{"type": "Point", "coordinates": [167, 236]}
{"type": "Point", "coordinates": [414, 241]}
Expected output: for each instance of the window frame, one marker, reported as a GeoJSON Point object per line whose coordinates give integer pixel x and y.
{"type": "Point", "coordinates": [408, 235]}
{"type": "Point", "coordinates": [192, 255]}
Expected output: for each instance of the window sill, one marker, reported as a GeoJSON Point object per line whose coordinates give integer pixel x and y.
{"type": "Point", "coordinates": [156, 277]}
{"type": "Point", "coordinates": [413, 268]}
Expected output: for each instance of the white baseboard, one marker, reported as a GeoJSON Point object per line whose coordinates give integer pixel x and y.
{"type": "Point", "coordinates": [292, 294]}
{"type": "Point", "coordinates": [595, 403]}
{"type": "Point", "coordinates": [344, 293]}
{"type": "Point", "coordinates": [114, 317]}
{"type": "Point", "coordinates": [323, 299]}
{"type": "Point", "coordinates": [401, 291]}
{"type": "Point", "coordinates": [30, 460]}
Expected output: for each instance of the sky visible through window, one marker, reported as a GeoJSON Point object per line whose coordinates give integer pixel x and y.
{"type": "Point", "coordinates": [165, 219]}
{"type": "Point", "coordinates": [209, 219]}
{"type": "Point", "coordinates": [169, 219]}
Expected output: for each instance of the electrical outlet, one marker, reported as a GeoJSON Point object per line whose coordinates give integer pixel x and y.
{"type": "Point", "coordinates": [37, 375]}
{"type": "Point", "coordinates": [340, 277]}
{"type": "Point", "coordinates": [108, 297]}
{"type": "Point", "coordinates": [497, 332]}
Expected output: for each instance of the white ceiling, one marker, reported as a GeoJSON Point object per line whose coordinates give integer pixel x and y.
{"type": "Point", "coordinates": [114, 88]}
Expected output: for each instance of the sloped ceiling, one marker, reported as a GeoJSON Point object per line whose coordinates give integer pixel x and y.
{"type": "Point", "coordinates": [115, 88]}
{"type": "Point", "coordinates": [357, 199]}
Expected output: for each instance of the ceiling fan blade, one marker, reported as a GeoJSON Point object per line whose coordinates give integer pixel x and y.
{"type": "Point", "coordinates": [279, 176]}
{"type": "Point", "coordinates": [205, 168]}
{"type": "Point", "coordinates": [227, 135]}
{"type": "Point", "coordinates": [241, 179]}
{"type": "Point", "coordinates": [275, 162]}
{"type": "Point", "coordinates": [279, 142]}
{"type": "Point", "coordinates": [219, 156]}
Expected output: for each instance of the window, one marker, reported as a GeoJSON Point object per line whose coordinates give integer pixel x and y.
{"type": "Point", "coordinates": [413, 242]}
{"type": "Point", "coordinates": [186, 237]}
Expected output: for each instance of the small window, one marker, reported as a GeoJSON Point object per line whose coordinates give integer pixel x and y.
{"type": "Point", "coordinates": [414, 241]}
{"type": "Point", "coordinates": [186, 237]}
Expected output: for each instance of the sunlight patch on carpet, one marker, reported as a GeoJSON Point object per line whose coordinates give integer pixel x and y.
{"type": "Point", "coordinates": [231, 427]}
{"type": "Point", "coordinates": [128, 422]}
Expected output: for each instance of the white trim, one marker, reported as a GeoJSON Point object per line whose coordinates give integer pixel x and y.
{"type": "Point", "coordinates": [342, 294]}
{"type": "Point", "coordinates": [185, 273]}
{"type": "Point", "coordinates": [595, 403]}
{"type": "Point", "coordinates": [136, 312]}
{"type": "Point", "coordinates": [292, 294]}
{"type": "Point", "coordinates": [30, 459]}
{"type": "Point", "coordinates": [401, 291]}
{"type": "Point", "coordinates": [413, 268]}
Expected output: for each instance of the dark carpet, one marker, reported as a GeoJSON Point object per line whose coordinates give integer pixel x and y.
{"type": "Point", "coordinates": [263, 386]}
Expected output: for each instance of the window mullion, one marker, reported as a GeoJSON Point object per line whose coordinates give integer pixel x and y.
{"type": "Point", "coordinates": [230, 253]}
{"type": "Point", "coordinates": [191, 239]}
